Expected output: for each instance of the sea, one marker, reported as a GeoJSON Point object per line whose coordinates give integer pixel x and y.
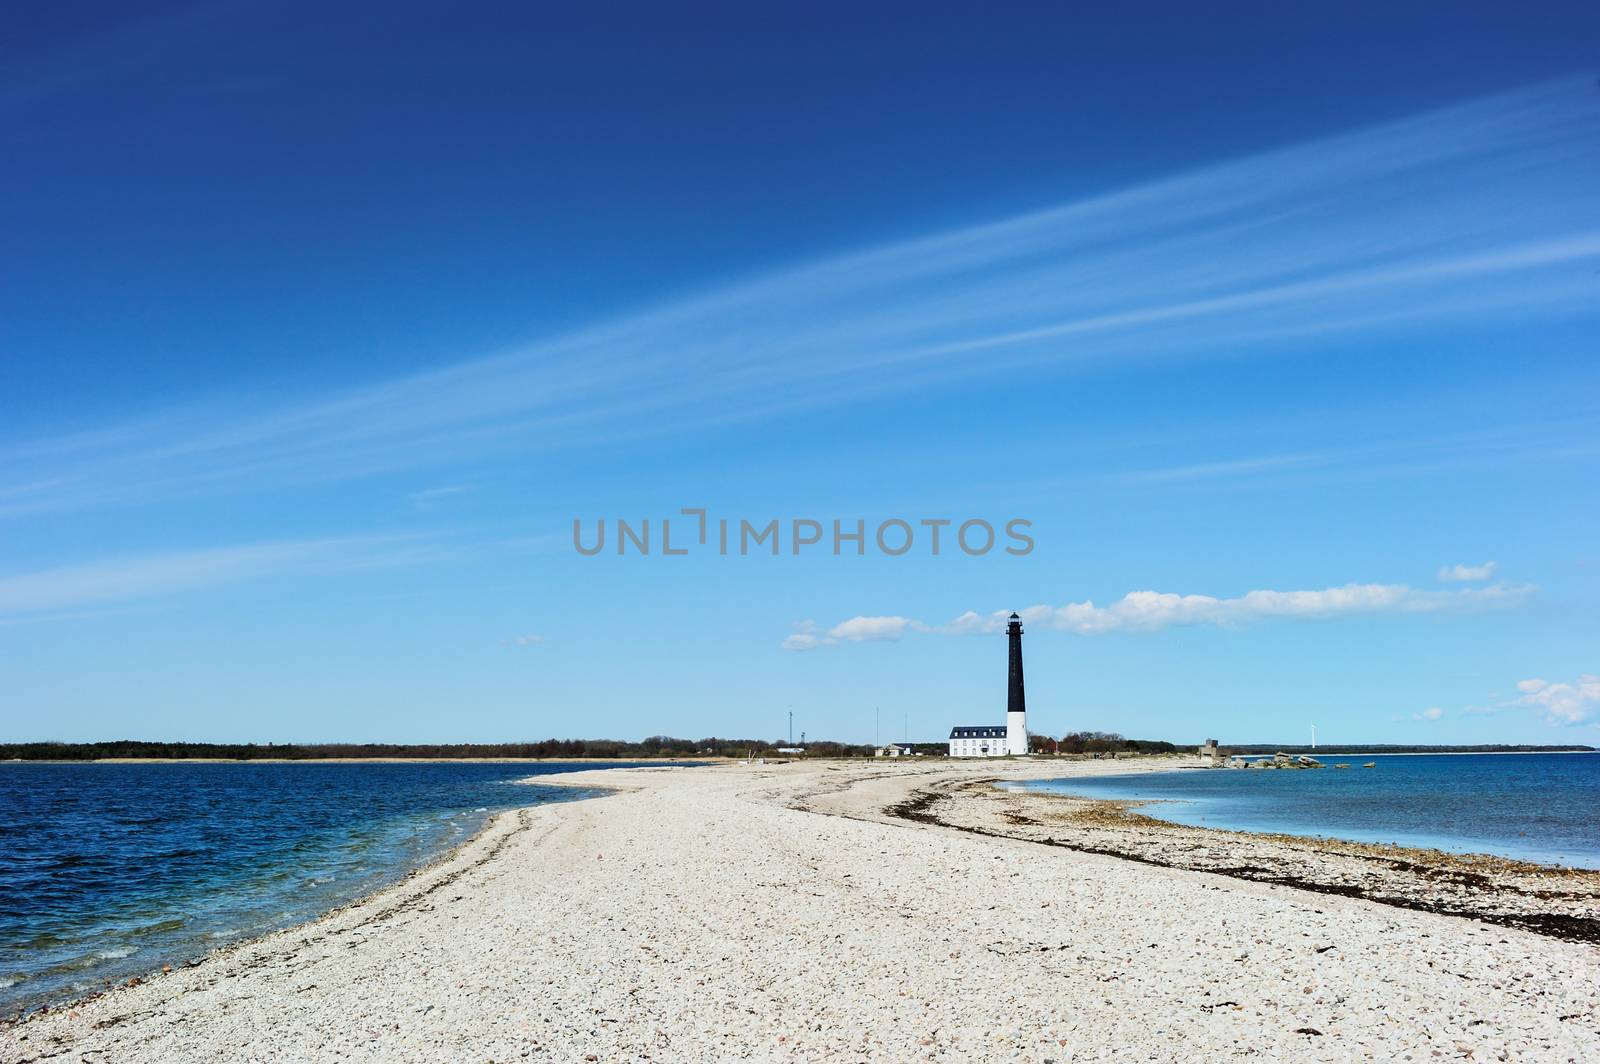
{"type": "Point", "coordinates": [1534, 807]}
{"type": "Point", "coordinates": [109, 871]}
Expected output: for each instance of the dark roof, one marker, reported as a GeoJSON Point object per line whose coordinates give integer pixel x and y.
{"type": "Point", "coordinates": [980, 731]}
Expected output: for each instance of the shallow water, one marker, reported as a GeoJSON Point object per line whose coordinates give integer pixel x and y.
{"type": "Point", "coordinates": [108, 871]}
{"type": "Point", "coordinates": [1536, 807]}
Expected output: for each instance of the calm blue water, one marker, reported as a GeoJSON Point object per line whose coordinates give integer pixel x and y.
{"type": "Point", "coordinates": [110, 871]}
{"type": "Point", "coordinates": [1537, 807]}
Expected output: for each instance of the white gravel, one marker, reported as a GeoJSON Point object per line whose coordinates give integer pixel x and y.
{"type": "Point", "coordinates": [699, 916]}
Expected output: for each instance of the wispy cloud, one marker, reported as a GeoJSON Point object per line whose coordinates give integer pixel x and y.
{"type": "Point", "coordinates": [427, 498]}
{"type": "Point", "coordinates": [1547, 439]}
{"type": "Point", "coordinates": [46, 593]}
{"type": "Point", "coordinates": [1563, 703]}
{"type": "Point", "coordinates": [1433, 713]}
{"type": "Point", "coordinates": [525, 640]}
{"type": "Point", "coordinates": [1468, 214]}
{"type": "Point", "coordinates": [1467, 573]}
{"type": "Point", "coordinates": [63, 615]}
{"type": "Point", "coordinates": [1228, 468]}
{"type": "Point", "coordinates": [1155, 611]}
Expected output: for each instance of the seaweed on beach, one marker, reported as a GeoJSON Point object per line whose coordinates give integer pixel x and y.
{"type": "Point", "coordinates": [1473, 886]}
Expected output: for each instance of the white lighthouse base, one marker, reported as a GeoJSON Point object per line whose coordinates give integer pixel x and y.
{"type": "Point", "coordinates": [1016, 734]}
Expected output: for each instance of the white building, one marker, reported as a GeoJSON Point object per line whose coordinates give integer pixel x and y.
{"type": "Point", "coordinates": [893, 750]}
{"type": "Point", "coordinates": [979, 740]}
{"type": "Point", "coordinates": [984, 740]}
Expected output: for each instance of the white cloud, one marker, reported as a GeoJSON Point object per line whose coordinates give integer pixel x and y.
{"type": "Point", "coordinates": [864, 629]}
{"type": "Point", "coordinates": [1153, 611]}
{"type": "Point", "coordinates": [1563, 703]}
{"type": "Point", "coordinates": [1433, 713]}
{"type": "Point", "coordinates": [1468, 573]}
{"type": "Point", "coordinates": [805, 637]}
{"type": "Point", "coordinates": [854, 630]}
{"type": "Point", "coordinates": [526, 640]}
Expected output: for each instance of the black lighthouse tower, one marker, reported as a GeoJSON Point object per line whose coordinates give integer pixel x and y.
{"type": "Point", "coordinates": [1016, 701]}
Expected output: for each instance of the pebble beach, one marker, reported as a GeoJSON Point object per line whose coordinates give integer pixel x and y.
{"type": "Point", "coordinates": [793, 911]}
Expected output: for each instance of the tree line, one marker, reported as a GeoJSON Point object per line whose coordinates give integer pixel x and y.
{"type": "Point", "coordinates": [655, 746]}
{"type": "Point", "coordinates": [1098, 742]}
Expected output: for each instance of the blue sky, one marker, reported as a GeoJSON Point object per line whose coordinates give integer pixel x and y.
{"type": "Point", "coordinates": [319, 330]}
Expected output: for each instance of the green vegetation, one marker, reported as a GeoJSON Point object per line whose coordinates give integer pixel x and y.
{"type": "Point", "coordinates": [1097, 742]}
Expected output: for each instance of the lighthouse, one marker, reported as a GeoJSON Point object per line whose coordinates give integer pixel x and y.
{"type": "Point", "coordinates": [991, 740]}
{"type": "Point", "coordinates": [1016, 701]}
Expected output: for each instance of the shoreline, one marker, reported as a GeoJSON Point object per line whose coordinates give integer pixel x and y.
{"type": "Point", "coordinates": [1466, 850]}
{"type": "Point", "coordinates": [221, 955]}
{"type": "Point", "coordinates": [72, 1000]}
{"type": "Point", "coordinates": [1554, 900]}
{"type": "Point", "coordinates": [401, 877]}
{"type": "Point", "coordinates": [654, 923]}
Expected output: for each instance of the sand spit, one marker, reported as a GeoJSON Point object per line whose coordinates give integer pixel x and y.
{"type": "Point", "coordinates": [1559, 902]}
{"type": "Point", "coordinates": [713, 914]}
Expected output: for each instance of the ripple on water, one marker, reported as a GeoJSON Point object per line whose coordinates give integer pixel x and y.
{"type": "Point", "coordinates": [76, 964]}
{"type": "Point", "coordinates": [159, 926]}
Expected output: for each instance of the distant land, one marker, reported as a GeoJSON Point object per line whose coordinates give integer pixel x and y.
{"type": "Point", "coordinates": [1328, 749]}
{"type": "Point", "coordinates": [659, 746]}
